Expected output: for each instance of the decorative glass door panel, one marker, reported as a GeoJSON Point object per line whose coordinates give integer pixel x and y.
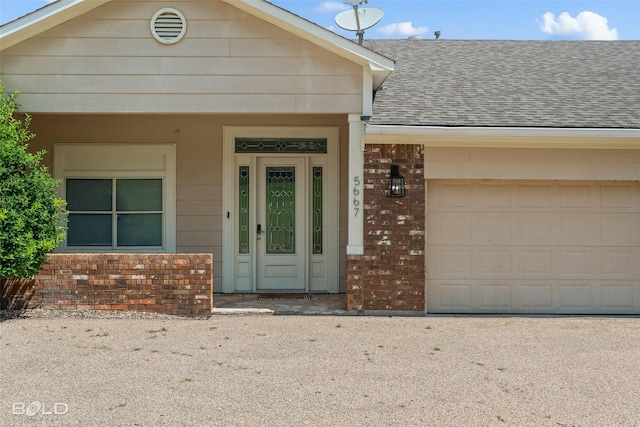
{"type": "Point", "coordinates": [281, 210]}
{"type": "Point", "coordinates": [281, 223]}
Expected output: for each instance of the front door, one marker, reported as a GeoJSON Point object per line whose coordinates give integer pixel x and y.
{"type": "Point", "coordinates": [281, 244]}
{"type": "Point", "coordinates": [280, 209]}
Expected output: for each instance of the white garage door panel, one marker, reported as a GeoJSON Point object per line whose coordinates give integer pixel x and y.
{"type": "Point", "coordinates": [533, 247]}
{"type": "Point", "coordinates": [579, 262]}
{"type": "Point", "coordinates": [525, 297]}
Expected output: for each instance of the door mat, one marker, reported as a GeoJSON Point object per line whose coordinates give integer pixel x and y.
{"type": "Point", "coordinates": [283, 297]}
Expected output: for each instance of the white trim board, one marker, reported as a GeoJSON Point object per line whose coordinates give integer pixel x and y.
{"type": "Point", "coordinates": [516, 137]}
{"type": "Point", "coordinates": [44, 19]}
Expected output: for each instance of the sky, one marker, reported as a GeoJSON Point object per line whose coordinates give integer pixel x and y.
{"type": "Point", "coordinates": [458, 19]}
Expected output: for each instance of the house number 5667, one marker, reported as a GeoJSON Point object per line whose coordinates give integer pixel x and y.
{"type": "Point", "coordinates": [356, 193]}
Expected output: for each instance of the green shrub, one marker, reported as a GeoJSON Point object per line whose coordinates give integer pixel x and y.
{"type": "Point", "coordinates": [32, 217]}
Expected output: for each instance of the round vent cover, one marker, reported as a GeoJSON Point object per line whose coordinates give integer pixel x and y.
{"type": "Point", "coordinates": [168, 25]}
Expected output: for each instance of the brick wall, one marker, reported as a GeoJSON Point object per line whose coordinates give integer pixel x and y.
{"type": "Point", "coordinates": [179, 284]}
{"type": "Point", "coordinates": [391, 273]}
{"type": "Point", "coordinates": [17, 294]}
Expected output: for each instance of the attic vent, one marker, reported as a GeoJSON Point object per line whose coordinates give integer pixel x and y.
{"type": "Point", "coordinates": [168, 25]}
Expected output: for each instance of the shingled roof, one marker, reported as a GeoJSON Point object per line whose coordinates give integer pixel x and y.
{"type": "Point", "coordinates": [496, 83]}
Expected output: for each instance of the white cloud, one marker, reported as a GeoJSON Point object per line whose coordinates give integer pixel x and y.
{"type": "Point", "coordinates": [402, 29]}
{"type": "Point", "coordinates": [585, 26]}
{"type": "Point", "coordinates": [331, 6]}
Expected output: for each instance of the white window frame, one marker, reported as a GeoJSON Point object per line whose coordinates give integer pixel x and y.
{"type": "Point", "coordinates": [121, 161]}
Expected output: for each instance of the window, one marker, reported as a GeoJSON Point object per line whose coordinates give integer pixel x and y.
{"type": "Point", "coordinates": [243, 210]}
{"type": "Point", "coordinates": [281, 145]}
{"type": "Point", "coordinates": [317, 213]}
{"type": "Point", "coordinates": [121, 197]}
{"type": "Point", "coordinates": [115, 213]}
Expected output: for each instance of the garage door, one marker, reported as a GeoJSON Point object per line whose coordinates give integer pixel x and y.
{"type": "Point", "coordinates": [533, 247]}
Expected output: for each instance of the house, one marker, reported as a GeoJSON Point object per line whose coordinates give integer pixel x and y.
{"type": "Point", "coordinates": [236, 131]}
{"type": "Point", "coordinates": [531, 167]}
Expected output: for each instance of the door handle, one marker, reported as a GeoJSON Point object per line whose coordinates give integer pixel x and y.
{"type": "Point", "coordinates": [259, 230]}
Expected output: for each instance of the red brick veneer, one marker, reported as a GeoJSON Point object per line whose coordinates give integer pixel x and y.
{"type": "Point", "coordinates": [391, 273]}
{"type": "Point", "coordinates": [179, 284]}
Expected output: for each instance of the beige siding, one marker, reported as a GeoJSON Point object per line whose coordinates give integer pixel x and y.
{"type": "Point", "coordinates": [529, 163]}
{"type": "Point", "coordinates": [228, 62]}
{"type": "Point", "coordinates": [198, 140]}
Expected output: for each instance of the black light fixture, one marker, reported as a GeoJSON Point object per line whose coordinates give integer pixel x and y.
{"type": "Point", "coordinates": [396, 183]}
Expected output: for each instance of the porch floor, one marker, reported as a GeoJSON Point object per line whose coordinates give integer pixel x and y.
{"type": "Point", "coordinates": [318, 304]}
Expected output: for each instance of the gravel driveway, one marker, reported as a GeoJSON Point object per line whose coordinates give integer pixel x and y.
{"type": "Point", "coordinates": [326, 371]}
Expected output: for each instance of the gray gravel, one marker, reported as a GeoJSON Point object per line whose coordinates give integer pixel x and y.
{"type": "Point", "coordinates": [81, 314]}
{"type": "Point", "coordinates": [313, 370]}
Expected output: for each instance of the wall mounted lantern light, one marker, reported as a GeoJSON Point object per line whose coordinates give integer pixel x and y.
{"type": "Point", "coordinates": [396, 183]}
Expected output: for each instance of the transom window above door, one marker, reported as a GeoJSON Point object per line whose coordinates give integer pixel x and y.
{"type": "Point", "coordinates": [115, 213]}
{"type": "Point", "coordinates": [281, 145]}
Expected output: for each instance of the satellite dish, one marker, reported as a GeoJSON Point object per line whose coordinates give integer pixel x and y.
{"type": "Point", "coordinates": [358, 20]}
{"type": "Point", "coordinates": [367, 17]}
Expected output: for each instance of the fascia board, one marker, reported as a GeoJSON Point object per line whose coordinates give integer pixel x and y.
{"type": "Point", "coordinates": [44, 19]}
{"type": "Point", "coordinates": [503, 131]}
{"type": "Point", "coordinates": [379, 75]}
{"type": "Point", "coordinates": [379, 65]}
{"type": "Point", "coordinates": [503, 137]}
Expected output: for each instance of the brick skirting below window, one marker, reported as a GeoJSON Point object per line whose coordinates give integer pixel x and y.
{"type": "Point", "coordinates": [178, 284]}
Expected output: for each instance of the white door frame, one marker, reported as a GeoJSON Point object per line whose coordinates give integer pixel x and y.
{"type": "Point", "coordinates": [238, 271]}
